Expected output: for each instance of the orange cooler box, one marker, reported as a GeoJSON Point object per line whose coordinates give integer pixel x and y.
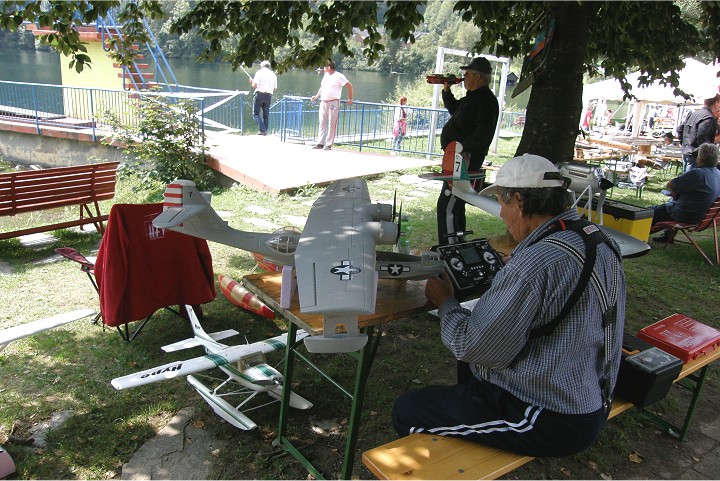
{"type": "Point", "coordinates": [630, 219]}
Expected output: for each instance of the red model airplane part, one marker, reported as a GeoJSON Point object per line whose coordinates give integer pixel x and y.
{"type": "Point", "coordinates": [241, 297]}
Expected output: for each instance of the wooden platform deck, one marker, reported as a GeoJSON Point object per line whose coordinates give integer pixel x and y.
{"type": "Point", "coordinates": [269, 165]}
{"type": "Point", "coordinates": [261, 162]}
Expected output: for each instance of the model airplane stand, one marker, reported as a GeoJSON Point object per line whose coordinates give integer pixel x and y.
{"type": "Point", "coordinates": [394, 301]}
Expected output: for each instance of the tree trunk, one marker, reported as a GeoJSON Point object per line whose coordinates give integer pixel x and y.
{"type": "Point", "coordinates": [555, 103]}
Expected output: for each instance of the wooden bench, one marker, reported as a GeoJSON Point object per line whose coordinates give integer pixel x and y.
{"type": "Point", "coordinates": [38, 190]}
{"type": "Point", "coordinates": [425, 456]}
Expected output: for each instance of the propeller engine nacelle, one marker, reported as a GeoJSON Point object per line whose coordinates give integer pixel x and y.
{"type": "Point", "coordinates": [582, 175]}
{"type": "Point", "coordinates": [383, 232]}
{"type": "Point", "coordinates": [382, 212]}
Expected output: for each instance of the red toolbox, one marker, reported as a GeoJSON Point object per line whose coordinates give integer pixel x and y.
{"type": "Point", "coordinates": [681, 336]}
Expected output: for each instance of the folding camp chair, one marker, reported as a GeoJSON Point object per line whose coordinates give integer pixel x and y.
{"type": "Point", "coordinates": [140, 269]}
{"type": "Point", "coordinates": [87, 265]}
{"type": "Point", "coordinates": [711, 219]}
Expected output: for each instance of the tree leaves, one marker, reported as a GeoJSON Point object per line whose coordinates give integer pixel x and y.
{"type": "Point", "coordinates": [616, 38]}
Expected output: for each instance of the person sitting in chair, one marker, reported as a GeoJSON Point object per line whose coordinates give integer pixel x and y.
{"type": "Point", "coordinates": [692, 193]}
{"type": "Point", "coordinates": [541, 347]}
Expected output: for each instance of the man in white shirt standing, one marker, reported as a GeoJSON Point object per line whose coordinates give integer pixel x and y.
{"type": "Point", "coordinates": [264, 83]}
{"type": "Point", "coordinates": [329, 95]}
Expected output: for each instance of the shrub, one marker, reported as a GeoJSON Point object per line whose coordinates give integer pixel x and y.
{"type": "Point", "coordinates": [164, 141]}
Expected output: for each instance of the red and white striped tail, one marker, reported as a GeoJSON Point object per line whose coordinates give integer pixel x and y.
{"type": "Point", "coordinates": [174, 193]}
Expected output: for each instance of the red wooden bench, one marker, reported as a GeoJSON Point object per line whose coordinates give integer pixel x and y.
{"type": "Point", "coordinates": [38, 190]}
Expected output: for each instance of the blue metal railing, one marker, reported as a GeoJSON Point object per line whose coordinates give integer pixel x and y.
{"type": "Point", "coordinates": [369, 125]}
{"type": "Point", "coordinates": [366, 126]}
{"type": "Point", "coordinates": [82, 108]}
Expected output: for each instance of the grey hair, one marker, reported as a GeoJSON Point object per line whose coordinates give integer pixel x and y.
{"type": "Point", "coordinates": [708, 154]}
{"type": "Point", "coordinates": [485, 76]}
{"type": "Point", "coordinates": [543, 201]}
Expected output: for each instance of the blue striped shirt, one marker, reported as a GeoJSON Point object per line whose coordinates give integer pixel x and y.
{"type": "Point", "coordinates": [561, 372]}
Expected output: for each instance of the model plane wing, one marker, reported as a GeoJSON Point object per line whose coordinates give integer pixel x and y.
{"type": "Point", "coordinates": [336, 263]}
{"type": "Point", "coordinates": [629, 245]}
{"type": "Point", "coordinates": [219, 358]}
{"type": "Point", "coordinates": [472, 175]}
{"type": "Point", "coordinates": [395, 265]}
{"type": "Point", "coordinates": [28, 329]}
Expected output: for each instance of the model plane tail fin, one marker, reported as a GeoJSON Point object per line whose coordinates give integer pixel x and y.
{"type": "Point", "coordinates": [194, 342]}
{"type": "Point", "coordinates": [201, 338]}
{"type": "Point", "coordinates": [454, 166]}
{"type": "Point", "coordinates": [184, 205]}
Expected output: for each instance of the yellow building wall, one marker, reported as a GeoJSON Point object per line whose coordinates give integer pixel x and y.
{"type": "Point", "coordinates": [99, 75]}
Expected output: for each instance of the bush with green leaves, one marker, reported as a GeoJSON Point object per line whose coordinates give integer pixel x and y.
{"type": "Point", "coordinates": [164, 139]}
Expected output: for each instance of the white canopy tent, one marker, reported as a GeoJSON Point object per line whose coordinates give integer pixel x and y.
{"type": "Point", "coordinates": [696, 79]}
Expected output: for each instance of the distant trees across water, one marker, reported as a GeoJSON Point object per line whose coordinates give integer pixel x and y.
{"type": "Point", "coordinates": [442, 27]}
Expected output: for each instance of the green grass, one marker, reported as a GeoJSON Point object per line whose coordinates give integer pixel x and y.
{"type": "Point", "coordinates": [70, 368]}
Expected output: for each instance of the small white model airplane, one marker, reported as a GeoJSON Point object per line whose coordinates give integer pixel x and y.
{"type": "Point", "coordinates": [584, 180]}
{"type": "Point", "coordinates": [248, 374]}
{"type": "Point", "coordinates": [333, 262]}
{"type": "Point", "coordinates": [28, 329]}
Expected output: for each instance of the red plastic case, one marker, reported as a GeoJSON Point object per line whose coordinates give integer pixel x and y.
{"type": "Point", "coordinates": [681, 336]}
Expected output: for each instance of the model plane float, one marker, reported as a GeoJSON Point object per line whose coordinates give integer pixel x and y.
{"type": "Point", "coordinates": [584, 179]}
{"type": "Point", "coordinates": [247, 371]}
{"type": "Point", "coordinates": [333, 262]}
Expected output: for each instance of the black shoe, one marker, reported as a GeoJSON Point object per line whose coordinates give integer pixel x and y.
{"type": "Point", "coordinates": [663, 239]}
{"type": "Point", "coordinates": [319, 146]}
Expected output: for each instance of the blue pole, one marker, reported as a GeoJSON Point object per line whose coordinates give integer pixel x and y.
{"type": "Point", "coordinates": [92, 116]}
{"type": "Point", "coordinates": [35, 107]}
{"type": "Point", "coordinates": [362, 122]}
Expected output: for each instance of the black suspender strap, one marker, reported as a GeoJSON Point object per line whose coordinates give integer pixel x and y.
{"type": "Point", "coordinates": [592, 236]}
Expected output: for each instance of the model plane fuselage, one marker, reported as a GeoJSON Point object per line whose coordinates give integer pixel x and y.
{"type": "Point", "coordinates": [334, 258]}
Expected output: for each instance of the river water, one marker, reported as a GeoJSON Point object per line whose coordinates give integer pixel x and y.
{"type": "Point", "coordinates": [44, 67]}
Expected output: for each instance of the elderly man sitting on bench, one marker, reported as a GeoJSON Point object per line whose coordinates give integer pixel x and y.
{"type": "Point", "coordinates": [542, 346]}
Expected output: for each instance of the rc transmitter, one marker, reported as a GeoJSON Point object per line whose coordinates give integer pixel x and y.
{"type": "Point", "coordinates": [471, 265]}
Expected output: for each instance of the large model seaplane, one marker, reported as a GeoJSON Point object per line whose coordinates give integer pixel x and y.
{"type": "Point", "coordinates": [248, 373]}
{"type": "Point", "coordinates": [585, 181]}
{"type": "Point", "coordinates": [333, 262]}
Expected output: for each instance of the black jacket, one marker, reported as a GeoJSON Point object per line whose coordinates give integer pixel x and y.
{"type": "Point", "coordinates": [472, 122]}
{"type": "Point", "coordinates": [699, 128]}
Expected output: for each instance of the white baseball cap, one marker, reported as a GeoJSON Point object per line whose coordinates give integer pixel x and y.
{"type": "Point", "coordinates": [526, 172]}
